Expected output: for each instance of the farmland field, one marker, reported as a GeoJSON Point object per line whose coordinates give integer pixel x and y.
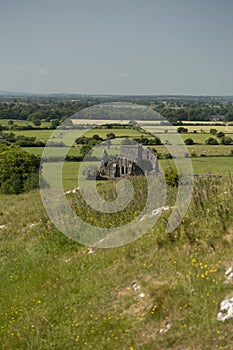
{"type": "Point", "coordinates": [5, 122]}
{"type": "Point", "coordinates": [203, 165]}
{"type": "Point", "coordinates": [191, 128]}
{"type": "Point", "coordinates": [214, 165]}
{"type": "Point", "coordinates": [73, 151]}
{"type": "Point", "coordinates": [42, 135]}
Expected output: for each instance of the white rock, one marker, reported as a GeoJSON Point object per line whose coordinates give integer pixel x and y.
{"type": "Point", "coordinates": [2, 226]}
{"type": "Point", "coordinates": [166, 208]}
{"type": "Point", "coordinates": [142, 295]}
{"type": "Point", "coordinates": [226, 310]}
{"type": "Point", "coordinates": [75, 190]}
{"type": "Point", "coordinates": [135, 286]}
{"type": "Point", "coordinates": [229, 278]}
{"type": "Point", "coordinates": [91, 251]}
{"type": "Point", "coordinates": [229, 270]}
{"type": "Point", "coordinates": [166, 328]}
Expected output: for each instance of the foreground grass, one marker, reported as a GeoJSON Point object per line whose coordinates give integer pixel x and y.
{"type": "Point", "coordinates": [54, 295]}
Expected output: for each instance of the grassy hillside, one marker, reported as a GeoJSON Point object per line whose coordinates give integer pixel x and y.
{"type": "Point", "coordinates": [55, 295]}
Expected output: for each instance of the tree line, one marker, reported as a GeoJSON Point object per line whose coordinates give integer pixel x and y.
{"type": "Point", "coordinates": [57, 108]}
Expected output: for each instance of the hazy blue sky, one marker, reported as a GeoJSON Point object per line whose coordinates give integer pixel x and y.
{"type": "Point", "coordinates": [117, 46]}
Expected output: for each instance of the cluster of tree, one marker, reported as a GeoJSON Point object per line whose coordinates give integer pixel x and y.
{"type": "Point", "coordinates": [12, 126]}
{"type": "Point", "coordinates": [171, 177]}
{"type": "Point", "coordinates": [89, 142]}
{"type": "Point", "coordinates": [35, 112]}
{"type": "Point", "coordinates": [182, 130]}
{"type": "Point", "coordinates": [223, 139]}
{"type": "Point", "coordinates": [189, 141]}
{"type": "Point", "coordinates": [19, 170]}
{"type": "Point", "coordinates": [23, 141]}
{"type": "Point", "coordinates": [148, 141]}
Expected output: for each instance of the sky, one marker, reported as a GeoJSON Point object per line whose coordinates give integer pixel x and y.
{"type": "Point", "coordinates": [127, 47]}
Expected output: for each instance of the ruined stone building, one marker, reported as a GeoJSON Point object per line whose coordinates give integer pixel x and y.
{"type": "Point", "coordinates": [133, 160]}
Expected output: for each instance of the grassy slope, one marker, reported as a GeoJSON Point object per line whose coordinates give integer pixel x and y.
{"type": "Point", "coordinates": [54, 295]}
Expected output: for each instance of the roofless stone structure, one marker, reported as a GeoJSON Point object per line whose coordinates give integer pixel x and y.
{"type": "Point", "coordinates": [132, 161]}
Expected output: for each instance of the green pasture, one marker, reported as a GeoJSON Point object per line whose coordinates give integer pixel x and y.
{"type": "Point", "coordinates": [201, 165]}
{"type": "Point", "coordinates": [214, 165]}
{"type": "Point", "coordinates": [55, 151]}
{"type": "Point", "coordinates": [42, 135]}
{"type": "Point", "coordinates": [199, 150]}
{"type": "Point", "coordinates": [198, 137]}
{"type": "Point", "coordinates": [210, 150]}
{"type": "Point", "coordinates": [18, 122]}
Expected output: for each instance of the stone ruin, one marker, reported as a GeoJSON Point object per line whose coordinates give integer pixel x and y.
{"type": "Point", "coordinates": [132, 161]}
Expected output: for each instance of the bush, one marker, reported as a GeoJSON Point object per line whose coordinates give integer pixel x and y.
{"type": "Point", "coordinates": [111, 135]}
{"type": "Point", "coordinates": [97, 137]}
{"type": "Point", "coordinates": [226, 140]}
{"type": "Point", "coordinates": [189, 141]}
{"type": "Point", "coordinates": [12, 185]}
{"type": "Point", "coordinates": [182, 130]}
{"type": "Point", "coordinates": [193, 154]}
{"type": "Point", "coordinates": [211, 141]}
{"type": "Point", "coordinates": [213, 131]}
{"type": "Point", "coordinates": [85, 149]}
{"type": "Point", "coordinates": [171, 177]}
{"type": "Point", "coordinates": [19, 170]}
{"type": "Point", "coordinates": [31, 182]}
{"type": "Point", "coordinates": [220, 134]}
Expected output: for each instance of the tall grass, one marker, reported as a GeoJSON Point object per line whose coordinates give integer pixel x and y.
{"type": "Point", "coordinates": [55, 295]}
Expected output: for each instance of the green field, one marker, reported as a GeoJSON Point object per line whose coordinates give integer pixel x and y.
{"type": "Point", "coordinates": [73, 151]}
{"type": "Point", "coordinates": [201, 149]}
{"type": "Point", "coordinates": [42, 135]}
{"type": "Point", "coordinates": [214, 165]}
{"type": "Point", "coordinates": [4, 122]}
{"type": "Point", "coordinates": [201, 165]}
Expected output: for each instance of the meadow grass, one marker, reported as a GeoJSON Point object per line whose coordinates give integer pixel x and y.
{"type": "Point", "coordinates": [54, 295]}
